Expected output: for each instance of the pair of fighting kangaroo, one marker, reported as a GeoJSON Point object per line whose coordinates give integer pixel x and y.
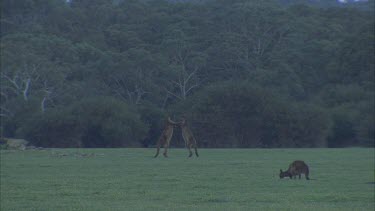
{"type": "Point", "coordinates": [167, 133]}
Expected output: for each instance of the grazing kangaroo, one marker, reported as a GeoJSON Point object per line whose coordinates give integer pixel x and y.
{"type": "Point", "coordinates": [298, 167]}
{"type": "Point", "coordinates": [188, 137]}
{"type": "Point", "coordinates": [165, 137]}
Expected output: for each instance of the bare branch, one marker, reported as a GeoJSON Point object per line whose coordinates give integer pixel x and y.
{"type": "Point", "coordinates": [173, 94]}
{"type": "Point", "coordinates": [26, 89]}
{"type": "Point", "coordinates": [5, 112]}
{"type": "Point", "coordinates": [140, 92]}
{"type": "Point", "coordinates": [177, 83]}
{"type": "Point", "coordinates": [12, 89]}
{"type": "Point", "coordinates": [192, 87]}
{"type": "Point", "coordinates": [12, 81]}
{"type": "Point", "coordinates": [42, 104]}
{"type": "Point", "coordinates": [189, 76]}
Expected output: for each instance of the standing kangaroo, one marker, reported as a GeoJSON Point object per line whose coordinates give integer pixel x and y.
{"type": "Point", "coordinates": [298, 167]}
{"type": "Point", "coordinates": [165, 137]}
{"type": "Point", "coordinates": [188, 137]}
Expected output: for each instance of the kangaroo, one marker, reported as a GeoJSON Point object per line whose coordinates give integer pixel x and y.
{"type": "Point", "coordinates": [188, 137]}
{"type": "Point", "coordinates": [165, 137]}
{"type": "Point", "coordinates": [298, 167]}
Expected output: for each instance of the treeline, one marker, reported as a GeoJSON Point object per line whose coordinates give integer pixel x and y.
{"type": "Point", "coordinates": [105, 73]}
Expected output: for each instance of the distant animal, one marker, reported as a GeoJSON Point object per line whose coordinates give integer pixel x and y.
{"type": "Point", "coordinates": [188, 137]}
{"type": "Point", "coordinates": [165, 137]}
{"type": "Point", "coordinates": [298, 167]}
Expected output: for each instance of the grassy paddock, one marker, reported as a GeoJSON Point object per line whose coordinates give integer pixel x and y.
{"type": "Point", "coordinates": [221, 179]}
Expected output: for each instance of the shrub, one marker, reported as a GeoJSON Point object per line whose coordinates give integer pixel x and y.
{"type": "Point", "coordinates": [94, 122]}
{"type": "Point", "coordinates": [242, 115]}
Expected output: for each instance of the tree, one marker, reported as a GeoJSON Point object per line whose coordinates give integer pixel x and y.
{"type": "Point", "coordinates": [249, 73]}
{"type": "Point", "coordinates": [184, 64]}
{"type": "Point", "coordinates": [35, 66]}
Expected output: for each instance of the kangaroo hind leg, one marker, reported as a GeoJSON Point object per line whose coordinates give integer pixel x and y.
{"type": "Point", "coordinates": [157, 150]}
{"type": "Point", "coordinates": [190, 152]}
{"type": "Point", "coordinates": [165, 150]}
{"type": "Point", "coordinates": [196, 150]}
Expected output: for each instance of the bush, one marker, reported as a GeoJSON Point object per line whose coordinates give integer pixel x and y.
{"type": "Point", "coordinates": [242, 115]}
{"type": "Point", "coordinates": [95, 122]}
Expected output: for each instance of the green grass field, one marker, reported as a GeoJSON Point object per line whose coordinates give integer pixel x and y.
{"type": "Point", "coordinates": [220, 179]}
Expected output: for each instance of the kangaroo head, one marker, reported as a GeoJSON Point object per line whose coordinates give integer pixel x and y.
{"type": "Point", "coordinates": [284, 174]}
{"type": "Point", "coordinates": [183, 121]}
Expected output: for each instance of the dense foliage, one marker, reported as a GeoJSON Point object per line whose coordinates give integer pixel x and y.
{"type": "Point", "coordinates": [105, 73]}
